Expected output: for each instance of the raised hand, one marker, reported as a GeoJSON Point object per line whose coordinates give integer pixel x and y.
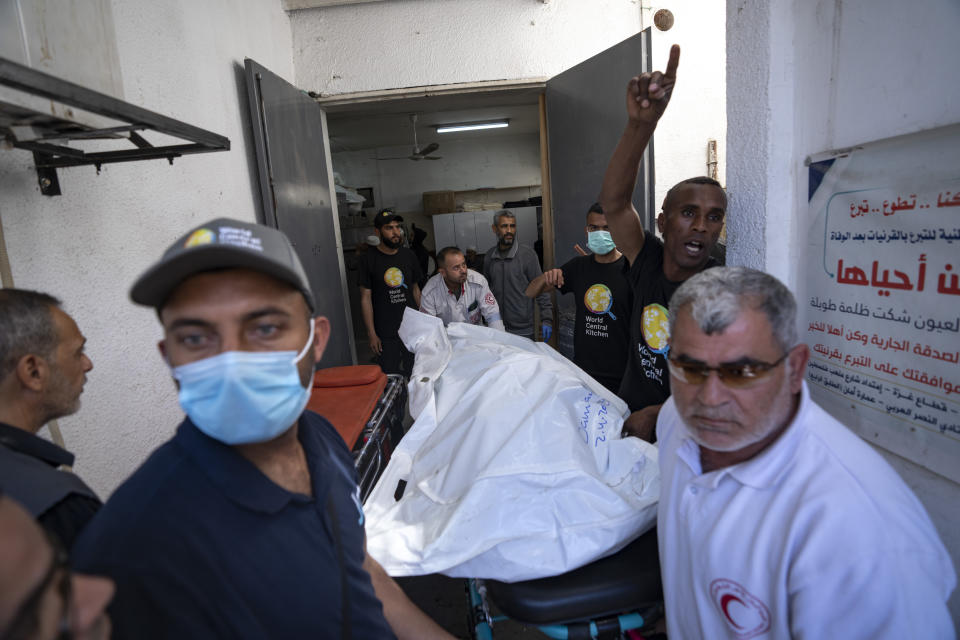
{"type": "Point", "coordinates": [649, 93]}
{"type": "Point", "coordinates": [554, 277]}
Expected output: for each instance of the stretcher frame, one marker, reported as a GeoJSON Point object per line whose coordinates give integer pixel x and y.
{"type": "Point", "coordinates": [380, 435]}
{"type": "Point", "coordinates": [645, 603]}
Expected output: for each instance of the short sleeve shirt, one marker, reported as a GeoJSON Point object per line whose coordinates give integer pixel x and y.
{"type": "Point", "coordinates": [646, 380]}
{"type": "Point", "coordinates": [604, 303]}
{"type": "Point", "coordinates": [391, 279]}
{"type": "Point", "coordinates": [476, 301]}
{"type": "Point", "coordinates": [815, 536]}
{"type": "Point", "coordinates": [201, 544]}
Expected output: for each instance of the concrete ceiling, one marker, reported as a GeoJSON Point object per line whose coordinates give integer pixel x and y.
{"type": "Point", "coordinates": [387, 123]}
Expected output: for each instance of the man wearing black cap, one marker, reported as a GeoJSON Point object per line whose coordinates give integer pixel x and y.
{"type": "Point", "coordinates": [388, 284]}
{"type": "Point", "coordinates": [247, 523]}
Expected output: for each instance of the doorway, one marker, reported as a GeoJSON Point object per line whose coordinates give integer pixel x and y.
{"type": "Point", "coordinates": [390, 152]}
{"type": "Point", "coordinates": [378, 155]}
{"type": "Point", "coordinates": [565, 127]}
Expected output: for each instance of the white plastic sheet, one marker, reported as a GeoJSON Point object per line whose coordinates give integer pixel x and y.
{"type": "Point", "coordinates": [514, 467]}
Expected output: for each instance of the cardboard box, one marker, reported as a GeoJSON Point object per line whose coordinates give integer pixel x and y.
{"type": "Point", "coordinates": [438, 202]}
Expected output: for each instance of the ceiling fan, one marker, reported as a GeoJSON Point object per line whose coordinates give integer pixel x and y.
{"type": "Point", "coordinates": [418, 154]}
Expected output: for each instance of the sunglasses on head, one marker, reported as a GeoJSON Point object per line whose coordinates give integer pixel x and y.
{"type": "Point", "coordinates": [735, 376]}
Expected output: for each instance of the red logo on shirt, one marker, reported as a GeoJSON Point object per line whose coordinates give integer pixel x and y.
{"type": "Point", "coordinates": [746, 614]}
{"type": "Point", "coordinates": [489, 299]}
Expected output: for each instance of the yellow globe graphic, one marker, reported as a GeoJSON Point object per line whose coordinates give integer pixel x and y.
{"type": "Point", "coordinates": [393, 277]}
{"type": "Point", "coordinates": [598, 298]}
{"type": "Point", "coordinates": [655, 327]}
{"type": "Point", "coordinates": [199, 237]}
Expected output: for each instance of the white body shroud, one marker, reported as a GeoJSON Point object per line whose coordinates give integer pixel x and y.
{"type": "Point", "coordinates": [514, 467]}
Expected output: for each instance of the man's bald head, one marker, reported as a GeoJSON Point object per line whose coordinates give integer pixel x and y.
{"type": "Point", "coordinates": [25, 557]}
{"type": "Point", "coordinates": [35, 582]}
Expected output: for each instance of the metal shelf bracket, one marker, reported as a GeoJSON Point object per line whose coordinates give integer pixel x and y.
{"type": "Point", "coordinates": [48, 137]}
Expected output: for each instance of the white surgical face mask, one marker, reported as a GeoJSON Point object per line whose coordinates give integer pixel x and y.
{"type": "Point", "coordinates": [239, 397]}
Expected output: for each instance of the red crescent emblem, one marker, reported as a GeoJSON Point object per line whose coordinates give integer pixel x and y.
{"type": "Point", "coordinates": [750, 618]}
{"type": "Point", "coordinates": [724, 603]}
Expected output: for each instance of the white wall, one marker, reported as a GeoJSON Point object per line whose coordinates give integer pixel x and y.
{"type": "Point", "coordinates": [503, 161]}
{"type": "Point", "coordinates": [807, 77]}
{"type": "Point", "coordinates": [88, 245]}
{"type": "Point", "coordinates": [405, 43]}
{"type": "Point", "coordinates": [697, 110]}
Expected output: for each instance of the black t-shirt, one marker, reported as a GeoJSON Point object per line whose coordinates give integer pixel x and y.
{"type": "Point", "coordinates": [601, 338]}
{"type": "Point", "coordinates": [390, 280]}
{"type": "Point", "coordinates": [646, 380]}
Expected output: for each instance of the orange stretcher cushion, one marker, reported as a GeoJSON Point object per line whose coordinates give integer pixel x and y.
{"type": "Point", "coordinates": [347, 396]}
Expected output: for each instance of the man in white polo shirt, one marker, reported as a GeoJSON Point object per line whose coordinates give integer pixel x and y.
{"type": "Point", "coordinates": [775, 521]}
{"type": "Point", "coordinates": [459, 294]}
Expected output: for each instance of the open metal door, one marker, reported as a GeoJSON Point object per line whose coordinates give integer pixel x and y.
{"type": "Point", "coordinates": [585, 116]}
{"type": "Point", "coordinates": [297, 191]}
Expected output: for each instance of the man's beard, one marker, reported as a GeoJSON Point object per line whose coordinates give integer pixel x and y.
{"type": "Point", "coordinates": [60, 400]}
{"type": "Point", "coordinates": [391, 244]}
{"type": "Point", "coordinates": [777, 418]}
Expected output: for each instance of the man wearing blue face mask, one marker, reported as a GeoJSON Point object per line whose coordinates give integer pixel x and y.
{"type": "Point", "coordinates": [601, 339]}
{"type": "Point", "coordinates": [247, 523]}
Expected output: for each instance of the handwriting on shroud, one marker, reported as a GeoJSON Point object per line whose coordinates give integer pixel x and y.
{"type": "Point", "coordinates": [947, 283]}
{"type": "Point", "coordinates": [910, 203]}
{"type": "Point", "coordinates": [888, 398]}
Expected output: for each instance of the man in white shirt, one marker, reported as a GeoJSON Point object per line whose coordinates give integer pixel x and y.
{"type": "Point", "coordinates": [775, 521]}
{"type": "Point", "coordinates": [459, 294]}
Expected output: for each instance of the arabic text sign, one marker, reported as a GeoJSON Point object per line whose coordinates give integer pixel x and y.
{"type": "Point", "coordinates": [882, 310]}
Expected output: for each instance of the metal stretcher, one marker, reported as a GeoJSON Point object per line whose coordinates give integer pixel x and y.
{"type": "Point", "coordinates": [367, 408]}
{"type": "Point", "coordinates": [610, 598]}
{"type": "Point", "coordinates": [614, 597]}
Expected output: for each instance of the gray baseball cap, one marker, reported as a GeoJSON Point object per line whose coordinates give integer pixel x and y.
{"type": "Point", "coordinates": [222, 244]}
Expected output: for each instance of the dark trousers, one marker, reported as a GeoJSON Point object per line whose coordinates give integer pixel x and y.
{"type": "Point", "coordinates": [394, 358]}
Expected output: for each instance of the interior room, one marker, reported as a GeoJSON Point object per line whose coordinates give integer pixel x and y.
{"type": "Point", "coordinates": [128, 125]}
{"type": "Point", "coordinates": [397, 153]}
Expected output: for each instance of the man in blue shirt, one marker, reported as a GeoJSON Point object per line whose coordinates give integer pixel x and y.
{"type": "Point", "coordinates": [248, 523]}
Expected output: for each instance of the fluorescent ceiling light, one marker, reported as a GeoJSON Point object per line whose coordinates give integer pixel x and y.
{"type": "Point", "coordinates": [472, 126]}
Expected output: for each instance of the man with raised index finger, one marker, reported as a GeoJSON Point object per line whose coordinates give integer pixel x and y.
{"type": "Point", "coordinates": [690, 222]}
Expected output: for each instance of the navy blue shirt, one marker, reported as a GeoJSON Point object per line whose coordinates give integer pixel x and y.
{"type": "Point", "coordinates": [201, 544]}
